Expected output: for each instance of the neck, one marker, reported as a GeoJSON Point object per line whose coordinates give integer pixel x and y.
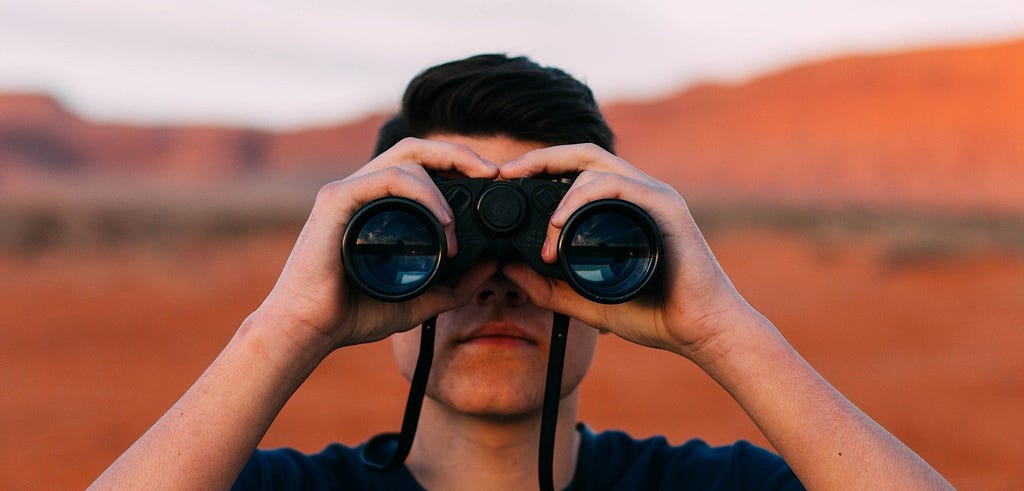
{"type": "Point", "coordinates": [457, 451]}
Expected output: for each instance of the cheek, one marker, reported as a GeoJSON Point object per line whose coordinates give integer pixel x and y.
{"type": "Point", "coordinates": [406, 348]}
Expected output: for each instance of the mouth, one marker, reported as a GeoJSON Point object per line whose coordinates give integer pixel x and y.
{"type": "Point", "coordinates": [498, 333]}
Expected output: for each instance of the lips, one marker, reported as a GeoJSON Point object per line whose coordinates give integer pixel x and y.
{"type": "Point", "coordinates": [498, 332]}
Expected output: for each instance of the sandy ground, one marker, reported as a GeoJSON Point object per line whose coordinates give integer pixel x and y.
{"type": "Point", "coordinates": [95, 345]}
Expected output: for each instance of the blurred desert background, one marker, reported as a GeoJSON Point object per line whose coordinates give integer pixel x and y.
{"type": "Point", "coordinates": [872, 206]}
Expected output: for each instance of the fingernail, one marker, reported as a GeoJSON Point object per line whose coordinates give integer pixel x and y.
{"type": "Point", "coordinates": [556, 216]}
{"type": "Point", "coordinates": [444, 212]}
{"type": "Point", "coordinates": [453, 246]}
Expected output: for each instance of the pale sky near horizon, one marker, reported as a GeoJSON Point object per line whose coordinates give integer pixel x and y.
{"type": "Point", "coordinates": [287, 64]}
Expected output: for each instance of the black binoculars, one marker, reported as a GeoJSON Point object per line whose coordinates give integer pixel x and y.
{"type": "Point", "coordinates": [393, 248]}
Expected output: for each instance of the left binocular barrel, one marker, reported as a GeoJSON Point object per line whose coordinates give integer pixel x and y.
{"type": "Point", "coordinates": [392, 249]}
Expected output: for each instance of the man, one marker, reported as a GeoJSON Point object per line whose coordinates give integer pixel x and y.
{"type": "Point", "coordinates": [504, 118]}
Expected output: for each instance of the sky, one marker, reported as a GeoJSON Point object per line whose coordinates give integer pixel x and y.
{"type": "Point", "coordinates": [284, 64]}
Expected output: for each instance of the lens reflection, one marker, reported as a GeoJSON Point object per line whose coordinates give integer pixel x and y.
{"type": "Point", "coordinates": [610, 254]}
{"type": "Point", "coordinates": [395, 252]}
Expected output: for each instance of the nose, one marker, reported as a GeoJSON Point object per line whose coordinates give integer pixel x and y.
{"type": "Point", "coordinates": [499, 291]}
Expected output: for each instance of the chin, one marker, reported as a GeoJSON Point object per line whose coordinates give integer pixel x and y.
{"type": "Point", "coordinates": [491, 392]}
{"type": "Point", "coordinates": [501, 407]}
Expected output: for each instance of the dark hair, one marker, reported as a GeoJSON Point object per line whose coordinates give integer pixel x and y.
{"type": "Point", "coordinates": [493, 94]}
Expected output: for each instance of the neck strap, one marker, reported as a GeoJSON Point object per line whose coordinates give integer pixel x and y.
{"type": "Point", "coordinates": [375, 452]}
{"type": "Point", "coordinates": [552, 395]}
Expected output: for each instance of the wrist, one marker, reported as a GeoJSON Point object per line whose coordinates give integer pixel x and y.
{"type": "Point", "coordinates": [733, 336]}
{"type": "Point", "coordinates": [749, 357]}
{"type": "Point", "coordinates": [283, 341]}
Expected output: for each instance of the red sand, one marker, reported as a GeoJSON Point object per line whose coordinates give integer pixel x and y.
{"type": "Point", "coordinates": [95, 346]}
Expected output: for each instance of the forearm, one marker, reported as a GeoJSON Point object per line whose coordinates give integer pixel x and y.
{"type": "Point", "coordinates": [203, 441]}
{"type": "Point", "coordinates": [829, 442]}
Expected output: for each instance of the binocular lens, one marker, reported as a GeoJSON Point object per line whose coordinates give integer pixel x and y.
{"type": "Point", "coordinates": [396, 252]}
{"type": "Point", "coordinates": [609, 251]}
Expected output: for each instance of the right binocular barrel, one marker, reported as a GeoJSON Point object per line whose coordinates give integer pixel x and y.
{"type": "Point", "coordinates": [609, 250]}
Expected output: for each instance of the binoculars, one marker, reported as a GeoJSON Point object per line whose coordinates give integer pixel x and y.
{"type": "Point", "coordinates": [394, 249]}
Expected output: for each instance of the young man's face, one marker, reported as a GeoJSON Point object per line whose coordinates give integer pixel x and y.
{"type": "Point", "coordinates": [490, 356]}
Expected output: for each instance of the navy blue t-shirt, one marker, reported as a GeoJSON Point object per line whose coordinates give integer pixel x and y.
{"type": "Point", "coordinates": [607, 460]}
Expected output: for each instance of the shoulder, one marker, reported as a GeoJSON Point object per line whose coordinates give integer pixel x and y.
{"type": "Point", "coordinates": [335, 467]}
{"type": "Point", "coordinates": [616, 460]}
{"type": "Point", "coordinates": [287, 468]}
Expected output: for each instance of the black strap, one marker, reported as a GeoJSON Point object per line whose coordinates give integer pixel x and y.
{"type": "Point", "coordinates": [375, 452]}
{"type": "Point", "coordinates": [552, 394]}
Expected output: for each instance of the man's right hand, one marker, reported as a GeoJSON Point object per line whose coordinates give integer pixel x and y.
{"type": "Point", "coordinates": [203, 441]}
{"type": "Point", "coordinates": [312, 299]}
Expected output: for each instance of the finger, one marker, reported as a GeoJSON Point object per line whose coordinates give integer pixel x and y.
{"type": "Point", "coordinates": [400, 317]}
{"type": "Point", "coordinates": [436, 156]}
{"type": "Point", "coordinates": [339, 200]}
{"type": "Point", "coordinates": [440, 298]}
{"type": "Point", "coordinates": [597, 186]}
{"type": "Point", "coordinates": [553, 294]}
{"type": "Point", "coordinates": [407, 181]}
{"type": "Point", "coordinates": [591, 186]}
{"type": "Point", "coordinates": [565, 159]}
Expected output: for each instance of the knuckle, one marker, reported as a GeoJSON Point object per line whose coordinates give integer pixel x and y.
{"type": "Point", "coordinates": [664, 188]}
{"type": "Point", "coordinates": [393, 173]}
{"type": "Point", "coordinates": [413, 169]}
{"type": "Point", "coordinates": [329, 191]}
{"type": "Point", "coordinates": [407, 143]}
{"type": "Point", "coordinates": [594, 178]}
{"type": "Point", "coordinates": [594, 152]}
{"type": "Point", "coordinates": [407, 146]}
{"type": "Point", "coordinates": [399, 174]}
